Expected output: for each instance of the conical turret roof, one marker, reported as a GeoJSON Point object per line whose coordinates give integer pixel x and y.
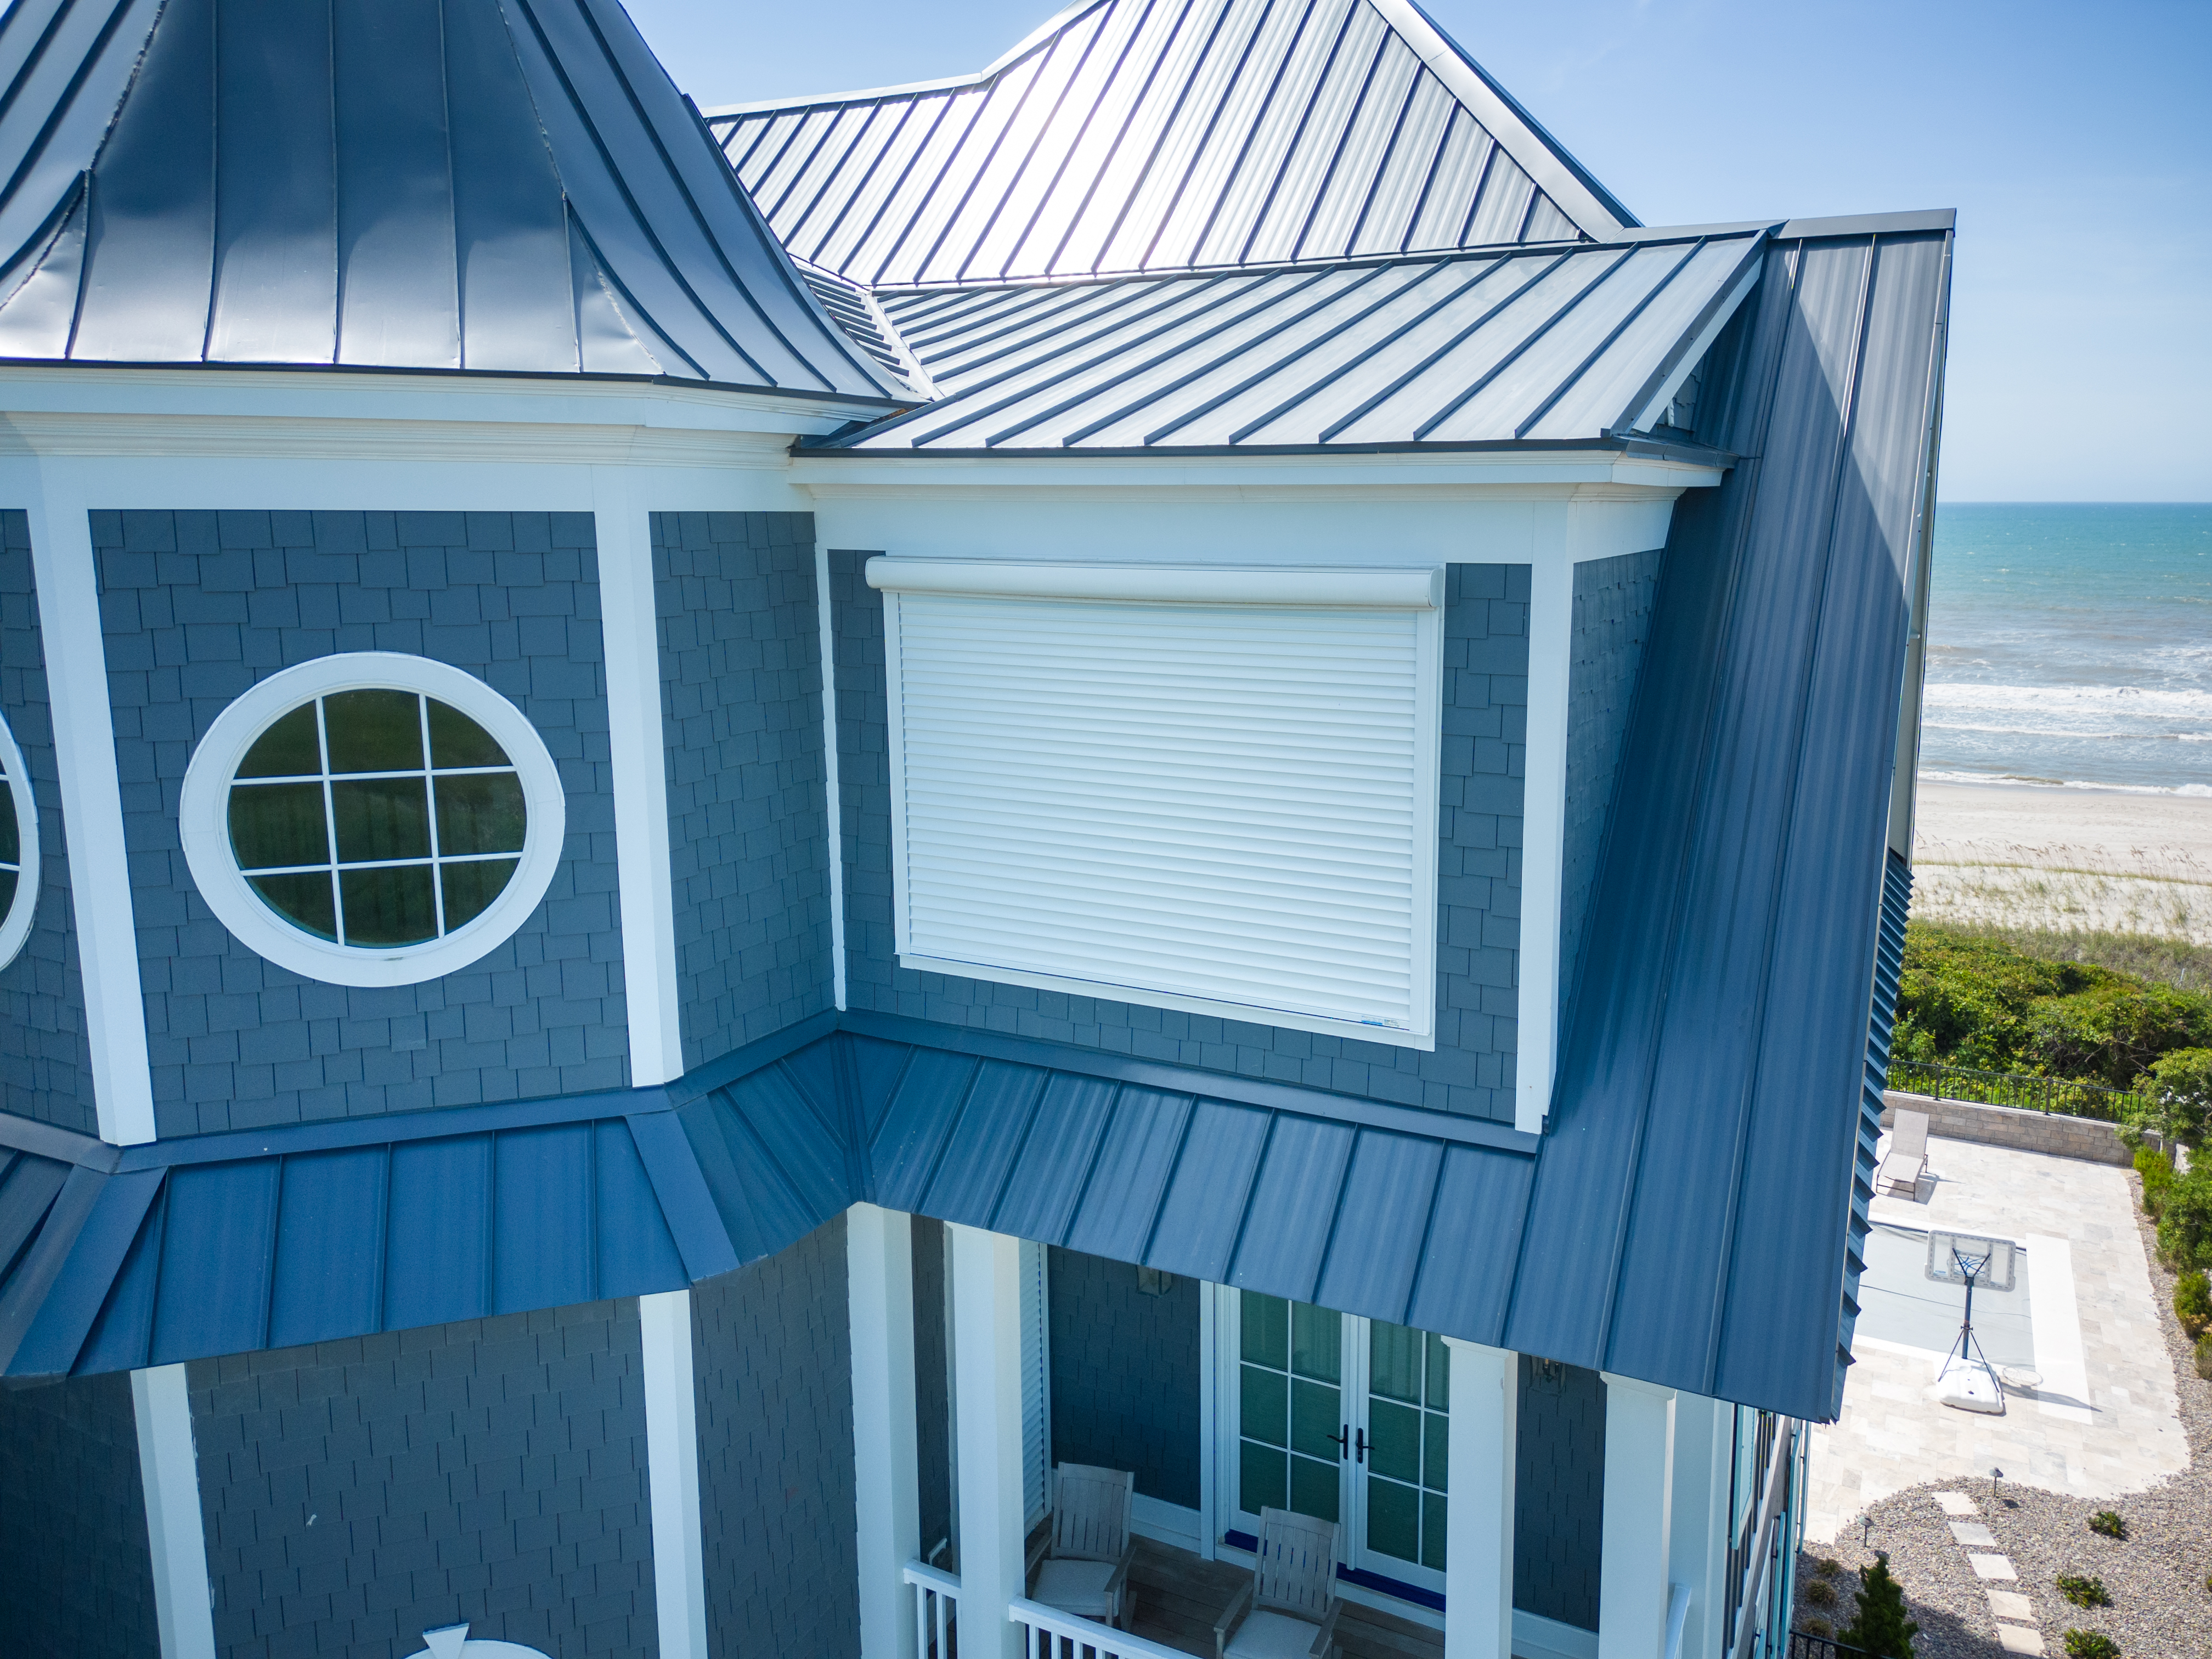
{"type": "Point", "coordinates": [499, 185]}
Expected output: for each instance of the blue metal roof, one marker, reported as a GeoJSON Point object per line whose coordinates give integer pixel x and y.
{"type": "Point", "coordinates": [1127, 135]}
{"type": "Point", "coordinates": [1582, 343]}
{"type": "Point", "coordinates": [467, 184]}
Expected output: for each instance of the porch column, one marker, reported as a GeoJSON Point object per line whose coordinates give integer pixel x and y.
{"type": "Point", "coordinates": [1698, 1545]}
{"type": "Point", "coordinates": [1485, 1418]}
{"type": "Point", "coordinates": [880, 1273]}
{"type": "Point", "coordinates": [1632, 1572]}
{"type": "Point", "coordinates": [986, 1360]}
{"type": "Point", "coordinates": [176, 1537]}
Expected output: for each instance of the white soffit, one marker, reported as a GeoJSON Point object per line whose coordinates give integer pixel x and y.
{"type": "Point", "coordinates": [1184, 789]}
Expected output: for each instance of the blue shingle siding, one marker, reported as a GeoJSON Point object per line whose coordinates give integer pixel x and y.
{"type": "Point", "coordinates": [198, 607]}
{"type": "Point", "coordinates": [1126, 1374]}
{"type": "Point", "coordinates": [1479, 891]}
{"type": "Point", "coordinates": [741, 702]}
{"type": "Point", "coordinates": [773, 1353]}
{"type": "Point", "coordinates": [1559, 1492]}
{"type": "Point", "coordinates": [1613, 598]}
{"type": "Point", "coordinates": [76, 1581]}
{"type": "Point", "coordinates": [45, 1064]}
{"type": "Point", "coordinates": [357, 1493]}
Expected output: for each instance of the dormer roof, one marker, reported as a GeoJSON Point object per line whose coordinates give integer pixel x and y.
{"type": "Point", "coordinates": [501, 186]}
{"type": "Point", "coordinates": [1157, 136]}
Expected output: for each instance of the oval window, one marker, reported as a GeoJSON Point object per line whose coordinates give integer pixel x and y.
{"type": "Point", "coordinates": [384, 818]}
{"type": "Point", "coordinates": [19, 849]}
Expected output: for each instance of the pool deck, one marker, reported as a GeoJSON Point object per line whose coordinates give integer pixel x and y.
{"type": "Point", "coordinates": [2103, 1422]}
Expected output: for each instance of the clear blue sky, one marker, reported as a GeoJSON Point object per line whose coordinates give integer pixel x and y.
{"type": "Point", "coordinates": [2075, 141]}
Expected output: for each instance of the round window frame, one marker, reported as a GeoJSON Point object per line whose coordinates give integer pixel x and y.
{"type": "Point", "coordinates": [204, 820]}
{"type": "Point", "coordinates": [22, 910]}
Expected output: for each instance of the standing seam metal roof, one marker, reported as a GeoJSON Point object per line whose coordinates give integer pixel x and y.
{"type": "Point", "coordinates": [1156, 135]}
{"type": "Point", "coordinates": [481, 185]}
{"type": "Point", "coordinates": [1583, 341]}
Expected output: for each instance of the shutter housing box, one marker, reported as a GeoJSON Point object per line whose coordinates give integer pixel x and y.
{"type": "Point", "coordinates": [1212, 789]}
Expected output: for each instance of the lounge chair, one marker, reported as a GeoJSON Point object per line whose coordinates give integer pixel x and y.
{"type": "Point", "coordinates": [1086, 1571]}
{"type": "Point", "coordinates": [1288, 1608]}
{"type": "Point", "coordinates": [1906, 1161]}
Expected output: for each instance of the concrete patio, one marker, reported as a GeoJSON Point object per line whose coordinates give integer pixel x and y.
{"type": "Point", "coordinates": [2103, 1419]}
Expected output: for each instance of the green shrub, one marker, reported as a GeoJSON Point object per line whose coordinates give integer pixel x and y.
{"type": "Point", "coordinates": [2083, 1592]}
{"type": "Point", "coordinates": [1819, 1593]}
{"type": "Point", "coordinates": [1827, 1567]}
{"type": "Point", "coordinates": [2109, 1523]}
{"type": "Point", "coordinates": [1881, 1629]}
{"type": "Point", "coordinates": [2204, 1371]}
{"type": "Point", "coordinates": [2091, 1644]}
{"type": "Point", "coordinates": [2192, 1302]}
{"type": "Point", "coordinates": [1814, 1625]}
{"type": "Point", "coordinates": [2115, 1031]}
{"type": "Point", "coordinates": [2184, 1219]}
{"type": "Point", "coordinates": [2156, 1170]}
{"type": "Point", "coordinates": [2179, 1087]}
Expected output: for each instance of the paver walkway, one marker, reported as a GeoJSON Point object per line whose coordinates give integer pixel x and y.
{"type": "Point", "coordinates": [2104, 1421]}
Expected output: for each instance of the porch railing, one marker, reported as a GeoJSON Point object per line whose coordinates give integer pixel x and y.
{"type": "Point", "coordinates": [2031, 1094]}
{"type": "Point", "coordinates": [1803, 1645]}
{"type": "Point", "coordinates": [936, 1609]}
{"type": "Point", "coordinates": [1048, 1633]}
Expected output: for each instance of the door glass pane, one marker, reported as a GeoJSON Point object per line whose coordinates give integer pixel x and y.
{"type": "Point", "coordinates": [1409, 1432]}
{"type": "Point", "coordinates": [1264, 1404]}
{"type": "Point", "coordinates": [1260, 1478]}
{"type": "Point", "coordinates": [1394, 1441]}
{"type": "Point", "coordinates": [1316, 1420]}
{"type": "Point", "coordinates": [1313, 1488]}
{"type": "Point", "coordinates": [1316, 1343]}
{"type": "Point", "coordinates": [1266, 1327]}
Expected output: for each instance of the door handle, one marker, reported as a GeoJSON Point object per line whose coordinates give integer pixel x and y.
{"type": "Point", "coordinates": [1342, 1449]}
{"type": "Point", "coordinates": [1361, 1445]}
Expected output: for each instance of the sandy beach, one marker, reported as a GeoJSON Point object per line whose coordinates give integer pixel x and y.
{"type": "Point", "coordinates": [2064, 859]}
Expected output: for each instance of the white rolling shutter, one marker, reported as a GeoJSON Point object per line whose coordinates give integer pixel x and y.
{"type": "Point", "coordinates": [1036, 1388]}
{"type": "Point", "coordinates": [1221, 800]}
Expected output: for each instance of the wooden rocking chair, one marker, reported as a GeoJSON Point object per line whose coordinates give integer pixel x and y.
{"type": "Point", "coordinates": [1086, 1571]}
{"type": "Point", "coordinates": [1289, 1609]}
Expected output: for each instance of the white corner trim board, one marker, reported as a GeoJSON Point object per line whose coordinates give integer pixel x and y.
{"type": "Point", "coordinates": [176, 1537]}
{"type": "Point", "coordinates": [1212, 790]}
{"type": "Point", "coordinates": [203, 823]}
{"type": "Point", "coordinates": [671, 1456]}
{"type": "Point", "coordinates": [1543, 840]}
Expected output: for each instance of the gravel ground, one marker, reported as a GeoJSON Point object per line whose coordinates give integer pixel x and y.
{"type": "Point", "coordinates": [2161, 1608]}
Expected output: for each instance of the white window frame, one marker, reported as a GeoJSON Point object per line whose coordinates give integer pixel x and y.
{"type": "Point", "coordinates": [15, 925]}
{"type": "Point", "coordinates": [205, 823]}
{"type": "Point", "coordinates": [1418, 589]}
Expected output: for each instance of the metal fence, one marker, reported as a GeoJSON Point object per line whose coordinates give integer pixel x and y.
{"type": "Point", "coordinates": [2033, 1094]}
{"type": "Point", "coordinates": [1803, 1645]}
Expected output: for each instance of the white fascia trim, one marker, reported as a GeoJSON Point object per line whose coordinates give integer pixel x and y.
{"type": "Point", "coordinates": [92, 802]}
{"type": "Point", "coordinates": [671, 1451]}
{"type": "Point", "coordinates": [638, 757]}
{"type": "Point", "coordinates": [1005, 60]}
{"type": "Point", "coordinates": [1536, 158]}
{"type": "Point", "coordinates": [176, 1536]}
{"type": "Point", "coordinates": [274, 395]}
{"type": "Point", "coordinates": [1250, 477]}
{"type": "Point", "coordinates": [202, 820]}
{"type": "Point", "coordinates": [1382, 588]}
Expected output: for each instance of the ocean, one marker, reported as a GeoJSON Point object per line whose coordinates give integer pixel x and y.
{"type": "Point", "coordinates": [2071, 644]}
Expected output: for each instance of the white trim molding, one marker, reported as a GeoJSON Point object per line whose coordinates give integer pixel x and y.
{"type": "Point", "coordinates": [834, 806]}
{"type": "Point", "coordinates": [1635, 1582]}
{"type": "Point", "coordinates": [203, 825]}
{"type": "Point", "coordinates": [886, 1483]}
{"type": "Point", "coordinates": [671, 1451]}
{"type": "Point", "coordinates": [176, 1536]}
{"type": "Point", "coordinates": [15, 921]}
{"type": "Point", "coordinates": [629, 617]}
{"type": "Point", "coordinates": [986, 1349]}
{"type": "Point", "coordinates": [1543, 839]}
{"type": "Point", "coordinates": [1483, 1447]}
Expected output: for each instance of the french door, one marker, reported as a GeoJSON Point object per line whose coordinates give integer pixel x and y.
{"type": "Point", "coordinates": [1337, 1417]}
